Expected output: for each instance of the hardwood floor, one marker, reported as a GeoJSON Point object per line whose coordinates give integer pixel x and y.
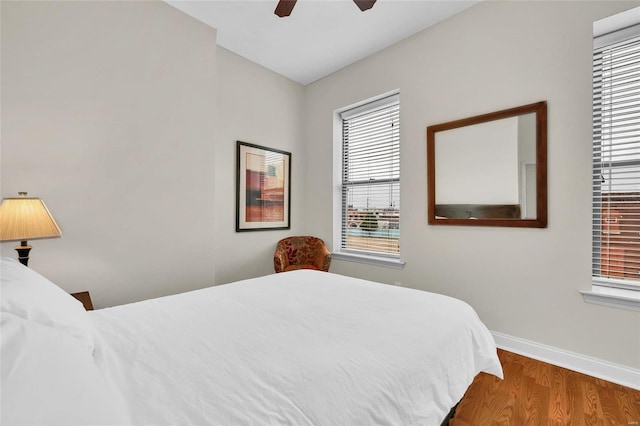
{"type": "Point", "coordinates": [535, 393]}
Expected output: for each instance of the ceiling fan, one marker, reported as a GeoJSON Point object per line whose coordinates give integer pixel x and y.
{"type": "Point", "coordinates": [285, 7]}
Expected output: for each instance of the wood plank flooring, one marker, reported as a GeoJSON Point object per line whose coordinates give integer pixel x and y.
{"type": "Point", "coordinates": [535, 393]}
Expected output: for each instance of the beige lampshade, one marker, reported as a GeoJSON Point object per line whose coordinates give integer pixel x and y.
{"type": "Point", "coordinates": [25, 218]}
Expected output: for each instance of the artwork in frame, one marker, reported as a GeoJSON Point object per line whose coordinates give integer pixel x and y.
{"type": "Point", "coordinates": [263, 188]}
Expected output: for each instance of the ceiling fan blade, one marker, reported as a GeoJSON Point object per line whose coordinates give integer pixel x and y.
{"type": "Point", "coordinates": [364, 4]}
{"type": "Point", "coordinates": [285, 7]}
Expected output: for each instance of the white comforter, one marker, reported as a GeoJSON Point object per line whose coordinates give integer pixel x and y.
{"type": "Point", "coordinates": [297, 348]}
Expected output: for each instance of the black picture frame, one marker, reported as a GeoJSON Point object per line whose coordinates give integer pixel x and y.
{"type": "Point", "coordinates": [263, 188]}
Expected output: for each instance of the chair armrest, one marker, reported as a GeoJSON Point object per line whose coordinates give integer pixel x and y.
{"type": "Point", "coordinates": [323, 259]}
{"type": "Point", "coordinates": [280, 260]}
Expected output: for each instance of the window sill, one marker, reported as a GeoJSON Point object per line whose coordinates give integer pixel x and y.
{"type": "Point", "coordinates": [614, 297]}
{"type": "Point", "coordinates": [370, 260]}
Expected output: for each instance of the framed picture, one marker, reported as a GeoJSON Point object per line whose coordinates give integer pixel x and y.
{"type": "Point", "coordinates": [263, 188]}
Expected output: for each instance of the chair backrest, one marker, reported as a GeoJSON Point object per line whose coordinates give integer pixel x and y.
{"type": "Point", "coordinates": [301, 250]}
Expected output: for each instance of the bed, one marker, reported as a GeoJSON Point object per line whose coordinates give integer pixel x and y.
{"type": "Point", "coordinates": [297, 348]}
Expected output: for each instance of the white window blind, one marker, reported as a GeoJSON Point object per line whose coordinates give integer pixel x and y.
{"type": "Point", "coordinates": [616, 160]}
{"type": "Point", "coordinates": [371, 178]}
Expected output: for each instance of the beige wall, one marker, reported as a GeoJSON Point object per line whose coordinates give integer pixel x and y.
{"type": "Point", "coordinates": [495, 55]}
{"type": "Point", "coordinates": [123, 117]}
{"type": "Point", "coordinates": [109, 115]}
{"type": "Point", "coordinates": [258, 106]}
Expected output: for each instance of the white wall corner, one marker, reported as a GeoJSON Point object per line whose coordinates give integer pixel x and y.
{"type": "Point", "coordinates": [615, 373]}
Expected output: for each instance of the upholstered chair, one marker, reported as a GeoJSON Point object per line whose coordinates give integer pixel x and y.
{"type": "Point", "coordinates": [301, 252]}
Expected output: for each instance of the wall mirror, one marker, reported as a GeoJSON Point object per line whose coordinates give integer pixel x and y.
{"type": "Point", "coordinates": [489, 170]}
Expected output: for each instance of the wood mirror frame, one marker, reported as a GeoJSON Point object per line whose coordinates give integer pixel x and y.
{"type": "Point", "coordinates": [491, 214]}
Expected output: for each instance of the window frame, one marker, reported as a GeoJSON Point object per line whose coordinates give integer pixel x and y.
{"type": "Point", "coordinates": [360, 256]}
{"type": "Point", "coordinates": [619, 293]}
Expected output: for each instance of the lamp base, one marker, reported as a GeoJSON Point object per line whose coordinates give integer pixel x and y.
{"type": "Point", "coordinates": [23, 252]}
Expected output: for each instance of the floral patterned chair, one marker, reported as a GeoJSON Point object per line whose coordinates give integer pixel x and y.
{"type": "Point", "coordinates": [301, 253]}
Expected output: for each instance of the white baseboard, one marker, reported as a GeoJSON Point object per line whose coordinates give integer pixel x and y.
{"type": "Point", "coordinates": [620, 374]}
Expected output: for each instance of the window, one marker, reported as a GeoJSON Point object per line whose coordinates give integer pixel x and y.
{"type": "Point", "coordinates": [616, 164]}
{"type": "Point", "coordinates": [369, 184]}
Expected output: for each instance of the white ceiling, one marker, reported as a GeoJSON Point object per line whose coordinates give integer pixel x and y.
{"type": "Point", "coordinates": [320, 36]}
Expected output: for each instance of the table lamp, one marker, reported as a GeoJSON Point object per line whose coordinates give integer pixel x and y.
{"type": "Point", "coordinates": [23, 219]}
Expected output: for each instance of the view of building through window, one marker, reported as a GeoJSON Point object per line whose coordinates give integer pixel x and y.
{"type": "Point", "coordinates": [616, 179]}
{"type": "Point", "coordinates": [373, 229]}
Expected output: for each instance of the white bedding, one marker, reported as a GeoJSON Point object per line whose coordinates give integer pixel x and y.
{"type": "Point", "coordinates": [302, 347]}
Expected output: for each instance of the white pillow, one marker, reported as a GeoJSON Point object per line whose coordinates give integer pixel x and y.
{"type": "Point", "coordinates": [50, 378]}
{"type": "Point", "coordinates": [29, 295]}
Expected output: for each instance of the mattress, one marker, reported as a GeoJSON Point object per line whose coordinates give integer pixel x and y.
{"type": "Point", "coordinates": [300, 348]}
